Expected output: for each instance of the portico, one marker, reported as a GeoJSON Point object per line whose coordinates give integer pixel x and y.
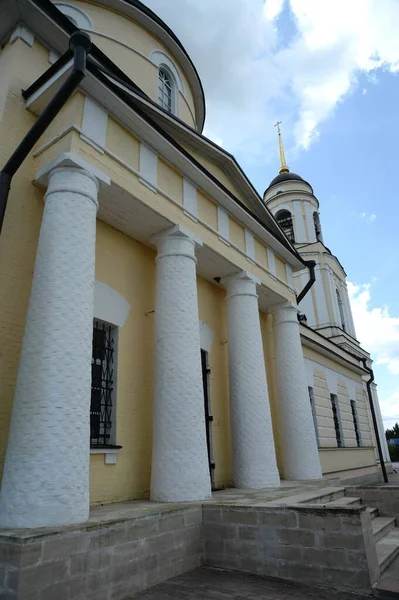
{"type": "Point", "coordinates": [180, 469]}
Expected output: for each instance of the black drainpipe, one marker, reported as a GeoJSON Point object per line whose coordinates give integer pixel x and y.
{"type": "Point", "coordinates": [311, 266]}
{"type": "Point", "coordinates": [80, 47]}
{"type": "Point", "coordinates": [377, 434]}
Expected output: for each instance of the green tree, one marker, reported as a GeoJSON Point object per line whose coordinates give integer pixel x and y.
{"type": "Point", "coordinates": [392, 433]}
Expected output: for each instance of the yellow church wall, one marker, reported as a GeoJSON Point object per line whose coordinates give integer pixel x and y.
{"type": "Point", "coordinates": [212, 311]}
{"type": "Point", "coordinates": [342, 460]}
{"type": "Point", "coordinates": [20, 65]}
{"type": "Point", "coordinates": [207, 210]}
{"type": "Point", "coordinates": [122, 143]}
{"type": "Point", "coordinates": [170, 181]}
{"type": "Point", "coordinates": [129, 46]}
{"type": "Point", "coordinates": [128, 267]}
{"type": "Point", "coordinates": [71, 114]}
{"type": "Point", "coordinates": [280, 269]}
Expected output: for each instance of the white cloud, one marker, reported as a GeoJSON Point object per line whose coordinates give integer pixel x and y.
{"type": "Point", "coordinates": [252, 75]}
{"type": "Point", "coordinates": [364, 91]}
{"type": "Point", "coordinates": [378, 332]}
{"type": "Point", "coordinates": [369, 218]}
{"type": "Point", "coordinates": [376, 329]}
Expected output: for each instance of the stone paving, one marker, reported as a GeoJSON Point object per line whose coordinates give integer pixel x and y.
{"type": "Point", "coordinates": [212, 584]}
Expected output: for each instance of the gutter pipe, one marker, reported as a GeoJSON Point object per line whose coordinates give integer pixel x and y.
{"type": "Point", "coordinates": [311, 264]}
{"type": "Point", "coordinates": [79, 47]}
{"type": "Point", "coordinates": [377, 434]}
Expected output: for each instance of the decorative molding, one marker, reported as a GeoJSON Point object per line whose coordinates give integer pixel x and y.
{"type": "Point", "coordinates": [110, 306]}
{"type": "Point", "coordinates": [223, 224]}
{"type": "Point", "coordinates": [22, 33]}
{"type": "Point", "coordinates": [94, 124]}
{"type": "Point", "coordinates": [148, 167]}
{"type": "Point", "coordinates": [70, 159]}
{"type": "Point", "coordinates": [271, 259]}
{"type": "Point", "coordinates": [250, 244]}
{"type": "Point", "coordinates": [77, 15]}
{"type": "Point", "coordinates": [190, 198]}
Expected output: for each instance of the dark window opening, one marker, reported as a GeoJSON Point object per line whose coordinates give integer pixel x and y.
{"type": "Point", "coordinates": [337, 425]}
{"type": "Point", "coordinates": [317, 226]}
{"type": "Point", "coordinates": [102, 385]}
{"type": "Point", "coordinates": [284, 219]}
{"type": "Point", "coordinates": [165, 90]}
{"type": "Point", "coordinates": [356, 423]}
{"type": "Point", "coordinates": [341, 309]}
{"type": "Point", "coordinates": [208, 416]}
{"type": "Point", "coordinates": [313, 407]}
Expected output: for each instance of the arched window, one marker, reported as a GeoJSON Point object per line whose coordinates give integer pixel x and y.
{"type": "Point", "coordinates": [341, 309]}
{"type": "Point", "coordinates": [284, 219]}
{"type": "Point", "coordinates": [165, 90]}
{"type": "Point", "coordinates": [317, 226]}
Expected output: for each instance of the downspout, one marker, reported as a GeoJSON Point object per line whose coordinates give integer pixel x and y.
{"type": "Point", "coordinates": [311, 266]}
{"type": "Point", "coordinates": [377, 433]}
{"type": "Point", "coordinates": [80, 47]}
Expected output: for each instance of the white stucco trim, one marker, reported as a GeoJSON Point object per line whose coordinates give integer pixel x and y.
{"type": "Point", "coordinates": [223, 224]}
{"type": "Point", "coordinates": [300, 234]}
{"type": "Point", "coordinates": [148, 167]}
{"type": "Point", "coordinates": [250, 244]}
{"type": "Point", "coordinates": [22, 33]}
{"type": "Point", "coordinates": [110, 454]}
{"type": "Point", "coordinates": [206, 336]}
{"type": "Point", "coordinates": [290, 276]}
{"type": "Point", "coordinates": [322, 309]}
{"type": "Point", "coordinates": [75, 13]}
{"type": "Point", "coordinates": [94, 124]}
{"type": "Point", "coordinates": [271, 259]}
{"type": "Point", "coordinates": [190, 198]}
{"type": "Point", "coordinates": [110, 306]}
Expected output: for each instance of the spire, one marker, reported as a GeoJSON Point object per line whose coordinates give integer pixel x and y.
{"type": "Point", "coordinates": [283, 168]}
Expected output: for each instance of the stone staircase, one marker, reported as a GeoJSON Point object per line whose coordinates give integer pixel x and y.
{"type": "Point", "coordinates": [385, 530]}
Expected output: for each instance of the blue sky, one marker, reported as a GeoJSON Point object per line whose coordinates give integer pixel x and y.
{"type": "Point", "coordinates": [330, 71]}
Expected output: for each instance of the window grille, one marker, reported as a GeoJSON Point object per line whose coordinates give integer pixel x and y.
{"type": "Point", "coordinates": [317, 226]}
{"type": "Point", "coordinates": [337, 425]}
{"type": "Point", "coordinates": [102, 385]}
{"type": "Point", "coordinates": [284, 219]}
{"type": "Point", "coordinates": [356, 423]}
{"type": "Point", "coordinates": [165, 90]}
{"type": "Point", "coordinates": [313, 407]}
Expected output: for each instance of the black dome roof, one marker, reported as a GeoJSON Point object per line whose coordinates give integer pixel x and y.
{"type": "Point", "coordinates": [286, 177]}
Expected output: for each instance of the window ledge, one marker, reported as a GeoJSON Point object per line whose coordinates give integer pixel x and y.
{"type": "Point", "coordinates": [110, 453]}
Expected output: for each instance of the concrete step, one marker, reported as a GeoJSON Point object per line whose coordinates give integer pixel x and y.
{"type": "Point", "coordinates": [388, 549]}
{"type": "Point", "coordinates": [382, 526]}
{"type": "Point", "coordinates": [345, 501]}
{"type": "Point", "coordinates": [373, 510]}
{"type": "Point", "coordinates": [320, 496]}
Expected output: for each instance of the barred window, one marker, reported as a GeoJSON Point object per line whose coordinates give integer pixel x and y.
{"type": "Point", "coordinates": [341, 309]}
{"type": "Point", "coordinates": [337, 424]}
{"type": "Point", "coordinates": [356, 423]}
{"type": "Point", "coordinates": [313, 407]}
{"type": "Point", "coordinates": [284, 219]}
{"type": "Point", "coordinates": [165, 90]}
{"type": "Point", "coordinates": [102, 386]}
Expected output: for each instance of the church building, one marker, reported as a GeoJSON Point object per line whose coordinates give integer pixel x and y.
{"type": "Point", "coordinates": [165, 330]}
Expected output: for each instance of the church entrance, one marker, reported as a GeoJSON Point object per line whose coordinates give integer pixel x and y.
{"type": "Point", "coordinates": [208, 416]}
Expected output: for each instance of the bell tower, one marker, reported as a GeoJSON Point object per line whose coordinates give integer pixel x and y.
{"type": "Point", "coordinates": [296, 209]}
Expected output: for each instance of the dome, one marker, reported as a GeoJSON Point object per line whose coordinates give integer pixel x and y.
{"type": "Point", "coordinates": [286, 177]}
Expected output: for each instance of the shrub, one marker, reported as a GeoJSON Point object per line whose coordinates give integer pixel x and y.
{"type": "Point", "coordinates": [394, 453]}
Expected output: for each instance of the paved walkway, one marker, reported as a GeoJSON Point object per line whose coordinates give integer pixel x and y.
{"type": "Point", "coordinates": [211, 584]}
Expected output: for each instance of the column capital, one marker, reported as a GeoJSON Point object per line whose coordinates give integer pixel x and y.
{"type": "Point", "coordinates": [286, 312]}
{"type": "Point", "coordinates": [176, 241]}
{"type": "Point", "coordinates": [71, 181]}
{"type": "Point", "coordinates": [176, 231]}
{"type": "Point", "coordinates": [240, 284]}
{"type": "Point", "coordinates": [74, 161]}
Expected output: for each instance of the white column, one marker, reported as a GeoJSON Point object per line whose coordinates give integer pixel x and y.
{"type": "Point", "coordinates": [300, 455]}
{"type": "Point", "coordinates": [46, 473]}
{"type": "Point", "coordinates": [180, 470]}
{"type": "Point", "coordinates": [253, 451]}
